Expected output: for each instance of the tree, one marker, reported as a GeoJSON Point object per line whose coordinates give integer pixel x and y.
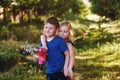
{"type": "Point", "coordinates": [5, 4]}
{"type": "Point", "coordinates": [26, 10]}
{"type": "Point", "coordinates": [108, 8]}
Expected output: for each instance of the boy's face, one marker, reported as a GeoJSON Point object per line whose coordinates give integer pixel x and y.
{"type": "Point", "coordinates": [64, 32]}
{"type": "Point", "coordinates": [49, 30]}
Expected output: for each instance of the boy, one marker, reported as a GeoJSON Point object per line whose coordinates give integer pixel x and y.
{"type": "Point", "coordinates": [57, 53]}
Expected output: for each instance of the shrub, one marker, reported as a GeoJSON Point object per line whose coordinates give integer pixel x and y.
{"type": "Point", "coordinates": [8, 56]}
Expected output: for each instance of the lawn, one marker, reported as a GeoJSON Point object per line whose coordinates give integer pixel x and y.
{"type": "Point", "coordinates": [100, 63]}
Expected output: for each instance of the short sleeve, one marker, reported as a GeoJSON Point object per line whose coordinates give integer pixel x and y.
{"type": "Point", "coordinates": [63, 45]}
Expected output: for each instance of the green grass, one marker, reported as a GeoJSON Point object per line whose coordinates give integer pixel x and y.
{"type": "Point", "coordinates": [99, 63]}
{"type": "Point", "coordinates": [93, 63]}
{"type": "Point", "coordinates": [23, 72]}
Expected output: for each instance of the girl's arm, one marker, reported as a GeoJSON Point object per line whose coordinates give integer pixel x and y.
{"type": "Point", "coordinates": [72, 58]}
{"type": "Point", "coordinates": [66, 62]}
{"type": "Point", "coordinates": [43, 41]}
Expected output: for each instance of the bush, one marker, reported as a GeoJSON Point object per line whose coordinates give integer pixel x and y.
{"type": "Point", "coordinates": [30, 71]}
{"type": "Point", "coordinates": [8, 56]}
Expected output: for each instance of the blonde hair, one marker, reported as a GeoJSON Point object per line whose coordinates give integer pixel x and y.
{"type": "Point", "coordinates": [66, 23]}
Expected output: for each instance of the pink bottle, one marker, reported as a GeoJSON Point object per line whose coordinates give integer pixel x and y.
{"type": "Point", "coordinates": [42, 55]}
{"type": "Point", "coordinates": [40, 60]}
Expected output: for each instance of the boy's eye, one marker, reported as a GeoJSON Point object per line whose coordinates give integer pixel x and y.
{"type": "Point", "coordinates": [50, 28]}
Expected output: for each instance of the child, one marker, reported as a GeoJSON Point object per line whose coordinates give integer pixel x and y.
{"type": "Point", "coordinates": [64, 32]}
{"type": "Point", "coordinates": [57, 51]}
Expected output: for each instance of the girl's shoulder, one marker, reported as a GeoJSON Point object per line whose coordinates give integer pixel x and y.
{"type": "Point", "coordinates": [68, 41]}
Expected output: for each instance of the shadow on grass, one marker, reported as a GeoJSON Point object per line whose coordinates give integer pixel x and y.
{"type": "Point", "coordinates": [94, 71]}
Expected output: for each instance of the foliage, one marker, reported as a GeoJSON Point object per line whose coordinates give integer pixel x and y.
{"type": "Point", "coordinates": [24, 18]}
{"type": "Point", "coordinates": [97, 37]}
{"type": "Point", "coordinates": [21, 11]}
{"type": "Point", "coordinates": [93, 61]}
{"type": "Point", "coordinates": [30, 33]}
{"type": "Point", "coordinates": [13, 65]}
{"type": "Point", "coordinates": [109, 9]}
{"type": "Point", "coordinates": [99, 63]}
{"type": "Point", "coordinates": [8, 56]}
{"type": "Point", "coordinates": [78, 11]}
{"type": "Point", "coordinates": [98, 55]}
{"type": "Point", "coordinates": [4, 33]}
{"type": "Point", "coordinates": [24, 71]}
{"type": "Point", "coordinates": [22, 32]}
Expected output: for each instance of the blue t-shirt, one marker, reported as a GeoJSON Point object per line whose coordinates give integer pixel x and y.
{"type": "Point", "coordinates": [55, 54]}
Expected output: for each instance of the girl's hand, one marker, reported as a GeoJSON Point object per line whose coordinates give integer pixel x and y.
{"type": "Point", "coordinates": [45, 47]}
{"type": "Point", "coordinates": [43, 40]}
{"type": "Point", "coordinates": [70, 73]}
{"type": "Point", "coordinates": [65, 71]}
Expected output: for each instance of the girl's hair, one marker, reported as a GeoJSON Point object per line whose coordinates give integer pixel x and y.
{"type": "Point", "coordinates": [52, 20]}
{"type": "Point", "coordinates": [66, 23]}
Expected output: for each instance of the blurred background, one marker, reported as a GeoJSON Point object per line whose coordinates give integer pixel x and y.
{"type": "Point", "coordinates": [95, 35]}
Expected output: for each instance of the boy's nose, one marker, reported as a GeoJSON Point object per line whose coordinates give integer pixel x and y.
{"type": "Point", "coordinates": [62, 33]}
{"type": "Point", "coordinates": [47, 29]}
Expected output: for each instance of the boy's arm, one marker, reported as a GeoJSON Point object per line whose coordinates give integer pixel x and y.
{"type": "Point", "coordinates": [66, 62]}
{"type": "Point", "coordinates": [72, 58]}
{"type": "Point", "coordinates": [43, 41]}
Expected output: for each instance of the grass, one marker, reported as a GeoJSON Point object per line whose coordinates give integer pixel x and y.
{"type": "Point", "coordinates": [96, 63]}
{"type": "Point", "coordinates": [99, 63]}
{"type": "Point", "coordinates": [23, 72]}
{"type": "Point", "coordinates": [97, 58]}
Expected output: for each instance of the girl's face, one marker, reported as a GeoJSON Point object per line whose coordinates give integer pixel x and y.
{"type": "Point", "coordinates": [49, 30]}
{"type": "Point", "coordinates": [64, 32]}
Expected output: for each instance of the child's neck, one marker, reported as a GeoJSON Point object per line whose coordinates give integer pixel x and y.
{"type": "Point", "coordinates": [50, 38]}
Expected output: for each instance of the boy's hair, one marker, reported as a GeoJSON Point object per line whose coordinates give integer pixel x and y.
{"type": "Point", "coordinates": [52, 20]}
